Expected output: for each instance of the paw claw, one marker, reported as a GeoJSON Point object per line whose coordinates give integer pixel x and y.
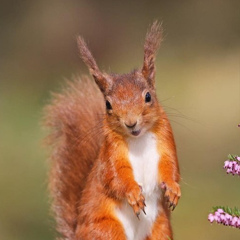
{"type": "Point", "coordinates": [144, 211]}
{"type": "Point", "coordinates": [173, 207]}
{"type": "Point", "coordinates": [172, 193]}
{"type": "Point", "coordinates": [136, 200]}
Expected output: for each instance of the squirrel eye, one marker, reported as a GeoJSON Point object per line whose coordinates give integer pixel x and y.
{"type": "Point", "coordinates": [148, 97]}
{"type": "Point", "coordinates": [108, 105]}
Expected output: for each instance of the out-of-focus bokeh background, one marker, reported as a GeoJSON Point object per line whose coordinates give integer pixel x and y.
{"type": "Point", "coordinates": [198, 79]}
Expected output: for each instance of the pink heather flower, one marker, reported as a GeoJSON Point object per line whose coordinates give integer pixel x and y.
{"type": "Point", "coordinates": [226, 163]}
{"type": "Point", "coordinates": [220, 221]}
{"type": "Point", "coordinates": [234, 221]}
{"type": "Point", "coordinates": [238, 223]}
{"type": "Point", "coordinates": [217, 214]}
{"type": "Point", "coordinates": [235, 168]}
{"type": "Point", "coordinates": [232, 166]}
{"type": "Point", "coordinates": [228, 217]}
{"type": "Point", "coordinates": [216, 218]}
{"type": "Point", "coordinates": [222, 217]}
{"type": "Point", "coordinates": [211, 218]}
{"type": "Point", "coordinates": [220, 210]}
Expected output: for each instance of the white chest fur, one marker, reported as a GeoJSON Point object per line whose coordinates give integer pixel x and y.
{"type": "Point", "coordinates": [144, 158]}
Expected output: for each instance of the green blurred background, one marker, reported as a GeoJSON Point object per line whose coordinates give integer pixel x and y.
{"type": "Point", "coordinates": [198, 79]}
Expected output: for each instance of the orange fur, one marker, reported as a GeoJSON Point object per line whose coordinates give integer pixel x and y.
{"type": "Point", "coordinates": [162, 227]}
{"type": "Point", "coordinates": [91, 174]}
{"type": "Point", "coordinates": [76, 135]}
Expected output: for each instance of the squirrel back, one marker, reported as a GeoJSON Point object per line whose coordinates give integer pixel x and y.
{"type": "Point", "coordinates": [75, 118]}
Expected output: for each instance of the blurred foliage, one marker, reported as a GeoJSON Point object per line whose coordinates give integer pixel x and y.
{"type": "Point", "coordinates": [198, 84]}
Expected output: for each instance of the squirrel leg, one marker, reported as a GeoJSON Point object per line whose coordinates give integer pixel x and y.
{"type": "Point", "coordinates": [104, 228]}
{"type": "Point", "coordinates": [168, 173]}
{"type": "Point", "coordinates": [162, 229]}
{"type": "Point", "coordinates": [96, 219]}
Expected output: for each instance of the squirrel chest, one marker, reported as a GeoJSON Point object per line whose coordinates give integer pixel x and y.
{"type": "Point", "coordinates": [144, 158]}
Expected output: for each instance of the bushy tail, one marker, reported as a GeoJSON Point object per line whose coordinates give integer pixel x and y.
{"type": "Point", "coordinates": [75, 119]}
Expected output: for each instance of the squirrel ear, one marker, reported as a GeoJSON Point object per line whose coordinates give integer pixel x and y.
{"type": "Point", "coordinates": [151, 45]}
{"type": "Point", "coordinates": [102, 80]}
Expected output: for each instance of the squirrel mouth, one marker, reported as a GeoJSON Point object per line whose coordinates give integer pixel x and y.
{"type": "Point", "coordinates": [136, 133]}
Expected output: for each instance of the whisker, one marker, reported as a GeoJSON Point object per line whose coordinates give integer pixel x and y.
{"type": "Point", "coordinates": [182, 125]}
{"type": "Point", "coordinates": [177, 113]}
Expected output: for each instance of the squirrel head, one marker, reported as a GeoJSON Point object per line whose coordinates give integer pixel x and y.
{"type": "Point", "coordinates": [131, 101]}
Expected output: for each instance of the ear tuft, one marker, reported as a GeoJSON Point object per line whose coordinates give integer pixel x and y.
{"type": "Point", "coordinates": [151, 45]}
{"type": "Point", "coordinates": [100, 78]}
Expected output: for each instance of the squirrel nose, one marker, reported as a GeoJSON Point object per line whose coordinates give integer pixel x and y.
{"type": "Point", "coordinates": [131, 125]}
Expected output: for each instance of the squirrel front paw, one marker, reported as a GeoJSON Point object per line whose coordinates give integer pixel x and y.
{"type": "Point", "coordinates": [172, 193]}
{"type": "Point", "coordinates": [136, 200]}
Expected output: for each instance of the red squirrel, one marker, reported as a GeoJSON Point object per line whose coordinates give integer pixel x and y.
{"type": "Point", "coordinates": [114, 168]}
